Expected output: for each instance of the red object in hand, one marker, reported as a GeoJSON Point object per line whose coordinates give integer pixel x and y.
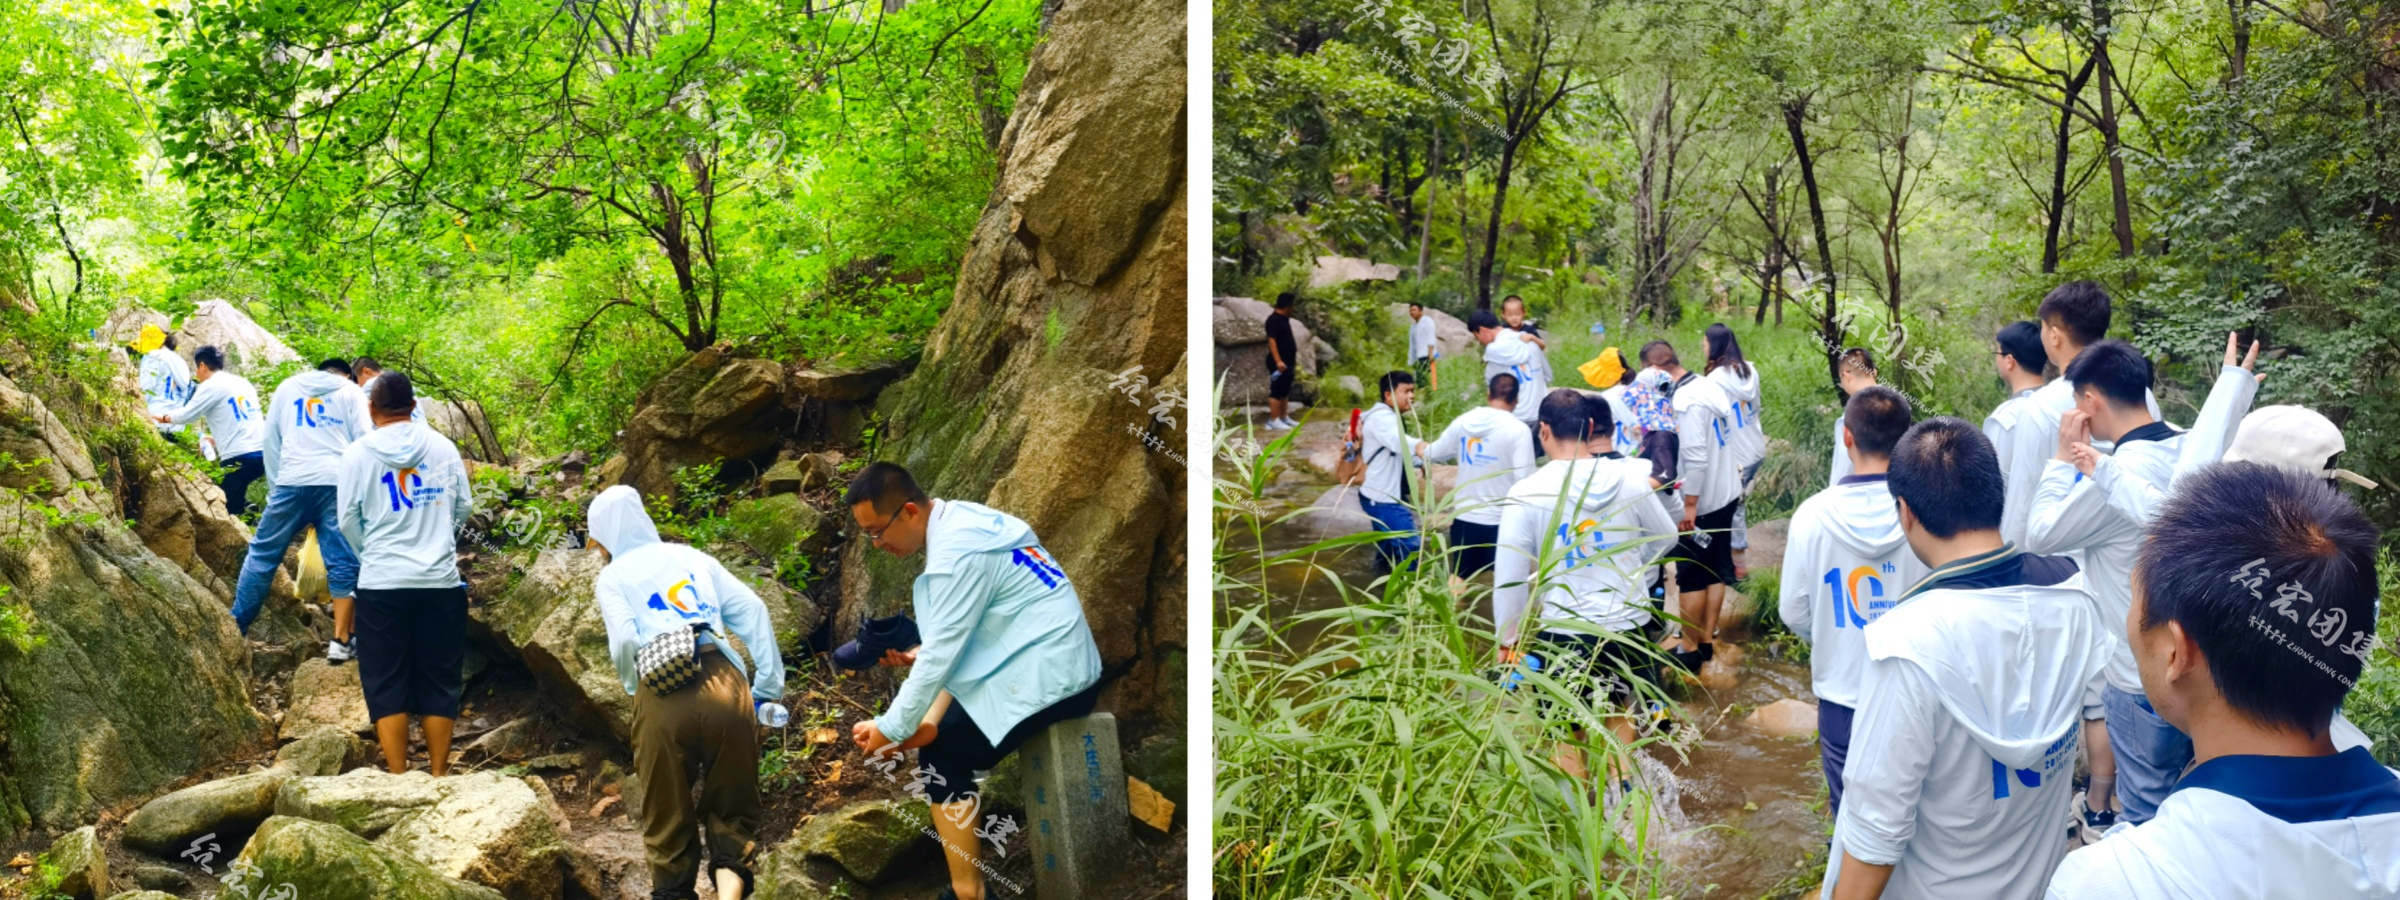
{"type": "Point", "coordinates": [1354, 413]}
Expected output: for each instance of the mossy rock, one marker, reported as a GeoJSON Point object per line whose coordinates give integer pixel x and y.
{"type": "Point", "coordinates": [326, 862]}
{"type": "Point", "coordinates": [80, 862]}
{"type": "Point", "coordinates": [165, 825]}
{"type": "Point", "coordinates": [774, 524]}
{"type": "Point", "coordinates": [866, 839]}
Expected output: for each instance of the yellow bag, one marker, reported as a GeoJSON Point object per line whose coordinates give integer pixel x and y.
{"type": "Point", "coordinates": [313, 586]}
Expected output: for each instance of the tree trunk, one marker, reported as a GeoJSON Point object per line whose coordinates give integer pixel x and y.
{"type": "Point", "coordinates": [1795, 112]}
{"type": "Point", "coordinates": [1433, 180]}
{"type": "Point", "coordinates": [1491, 234]}
{"type": "Point", "coordinates": [2058, 167]}
{"type": "Point", "coordinates": [2238, 67]}
{"type": "Point", "coordinates": [2120, 208]}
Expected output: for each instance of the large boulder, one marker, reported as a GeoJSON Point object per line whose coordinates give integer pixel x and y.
{"type": "Point", "coordinates": [774, 524]}
{"type": "Point", "coordinates": [711, 408]}
{"type": "Point", "coordinates": [1239, 325]}
{"type": "Point", "coordinates": [139, 678]}
{"type": "Point", "coordinates": [487, 828]}
{"type": "Point", "coordinates": [832, 402]}
{"type": "Point", "coordinates": [867, 839]}
{"type": "Point", "coordinates": [1074, 275]}
{"type": "Point", "coordinates": [1329, 271]}
{"type": "Point", "coordinates": [550, 620]}
{"type": "Point", "coordinates": [325, 862]}
{"type": "Point", "coordinates": [325, 696]}
{"type": "Point", "coordinates": [164, 826]}
{"type": "Point", "coordinates": [788, 872]}
{"type": "Point", "coordinates": [249, 347]}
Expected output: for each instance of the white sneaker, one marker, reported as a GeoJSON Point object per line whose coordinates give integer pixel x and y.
{"type": "Point", "coordinates": [339, 652]}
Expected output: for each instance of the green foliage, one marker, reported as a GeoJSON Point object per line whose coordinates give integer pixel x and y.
{"type": "Point", "coordinates": [2374, 705]}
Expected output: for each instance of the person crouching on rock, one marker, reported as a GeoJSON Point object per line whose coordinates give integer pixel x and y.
{"type": "Point", "coordinates": [402, 494]}
{"type": "Point", "coordinates": [1006, 651]}
{"type": "Point", "coordinates": [701, 728]}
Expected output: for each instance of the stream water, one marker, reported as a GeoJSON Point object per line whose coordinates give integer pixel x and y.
{"type": "Point", "coordinates": [1744, 811]}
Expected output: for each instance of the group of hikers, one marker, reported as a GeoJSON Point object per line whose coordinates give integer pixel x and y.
{"type": "Point", "coordinates": [999, 648]}
{"type": "Point", "coordinates": [2182, 609]}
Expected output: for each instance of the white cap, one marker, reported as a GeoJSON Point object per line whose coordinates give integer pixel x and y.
{"type": "Point", "coordinates": [2293, 437]}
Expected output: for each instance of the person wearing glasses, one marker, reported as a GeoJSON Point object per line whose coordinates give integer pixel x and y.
{"type": "Point", "coordinates": [1006, 651]}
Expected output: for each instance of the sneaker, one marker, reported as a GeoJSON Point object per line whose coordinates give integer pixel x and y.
{"type": "Point", "coordinates": [339, 652]}
{"type": "Point", "coordinates": [875, 637]}
{"type": "Point", "coordinates": [2090, 825]}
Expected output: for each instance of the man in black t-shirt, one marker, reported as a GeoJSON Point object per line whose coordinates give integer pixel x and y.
{"type": "Point", "coordinates": [1283, 362]}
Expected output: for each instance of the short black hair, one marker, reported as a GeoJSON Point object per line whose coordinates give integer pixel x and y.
{"type": "Point", "coordinates": [1948, 473]}
{"type": "Point", "coordinates": [1504, 300]}
{"type": "Point", "coordinates": [1569, 415]}
{"type": "Point", "coordinates": [209, 356]}
{"type": "Point", "coordinates": [2200, 567]}
{"type": "Point", "coordinates": [1503, 387]}
{"type": "Point", "coordinates": [365, 364]}
{"type": "Point", "coordinates": [170, 340]}
{"type": "Point", "coordinates": [394, 395]}
{"type": "Point", "coordinates": [1412, 304]}
{"type": "Point", "coordinates": [337, 366]}
{"type": "Point", "coordinates": [2120, 373]}
{"type": "Point", "coordinates": [1858, 358]}
{"type": "Point", "coordinates": [1876, 417]}
{"type": "Point", "coordinates": [1666, 353]}
{"type": "Point", "coordinates": [1482, 319]}
{"type": "Point", "coordinates": [2022, 341]}
{"type": "Point", "coordinates": [886, 486]}
{"type": "Point", "coordinates": [2080, 308]}
{"type": "Point", "coordinates": [1392, 379]}
{"type": "Point", "coordinates": [1283, 300]}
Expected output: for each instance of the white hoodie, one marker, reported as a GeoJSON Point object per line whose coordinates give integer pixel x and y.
{"type": "Point", "coordinates": [1626, 437]}
{"type": "Point", "coordinates": [1562, 527]}
{"type": "Point", "coordinates": [1841, 454]}
{"type": "Point", "coordinates": [651, 587]}
{"type": "Point", "coordinates": [403, 494]}
{"type": "Point", "coordinates": [2207, 844]}
{"type": "Point", "coordinates": [2022, 446]}
{"type": "Point", "coordinates": [1962, 757]}
{"type": "Point", "coordinates": [230, 405]}
{"type": "Point", "coordinates": [1749, 442]}
{"type": "Point", "coordinates": [166, 380]}
{"type": "Point", "coordinates": [1510, 352]}
{"type": "Point", "coordinates": [1493, 451]}
{"type": "Point", "coordinates": [1844, 565]}
{"type": "Point", "coordinates": [313, 416]}
{"type": "Point", "coordinates": [1707, 462]}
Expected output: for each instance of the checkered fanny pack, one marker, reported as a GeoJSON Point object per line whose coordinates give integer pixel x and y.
{"type": "Point", "coordinates": [670, 660]}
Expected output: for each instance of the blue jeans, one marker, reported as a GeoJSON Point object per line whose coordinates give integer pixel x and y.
{"type": "Point", "coordinates": [1393, 517]}
{"type": "Point", "coordinates": [2151, 754]}
{"type": "Point", "coordinates": [1833, 748]}
{"type": "Point", "coordinates": [289, 508]}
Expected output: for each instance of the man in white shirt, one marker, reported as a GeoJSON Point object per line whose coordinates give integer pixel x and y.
{"type": "Point", "coordinates": [1844, 565]}
{"type": "Point", "coordinates": [2099, 504]}
{"type": "Point", "coordinates": [1511, 352]}
{"type": "Point", "coordinates": [2074, 315]}
{"type": "Point", "coordinates": [1493, 450]}
{"type": "Point", "coordinates": [1387, 461]}
{"type": "Point", "coordinates": [1962, 758]}
{"type": "Point", "coordinates": [1853, 372]}
{"type": "Point", "coordinates": [1581, 533]}
{"type": "Point", "coordinates": [165, 378]}
{"type": "Point", "coordinates": [1420, 342]}
{"type": "Point", "coordinates": [1712, 492]}
{"type": "Point", "coordinates": [312, 418]}
{"type": "Point", "coordinates": [230, 405]}
{"type": "Point", "coordinates": [402, 493]}
{"type": "Point", "coordinates": [2253, 615]}
{"type": "Point", "coordinates": [2015, 427]}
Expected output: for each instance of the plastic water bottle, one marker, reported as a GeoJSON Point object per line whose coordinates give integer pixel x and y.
{"type": "Point", "coordinates": [773, 715]}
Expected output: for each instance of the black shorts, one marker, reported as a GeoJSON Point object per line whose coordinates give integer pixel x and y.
{"type": "Point", "coordinates": [1697, 567]}
{"type": "Point", "coordinates": [1472, 546]}
{"type": "Point", "coordinates": [1599, 669]}
{"type": "Point", "coordinates": [959, 747]}
{"type": "Point", "coordinates": [1279, 382]}
{"type": "Point", "coordinates": [410, 643]}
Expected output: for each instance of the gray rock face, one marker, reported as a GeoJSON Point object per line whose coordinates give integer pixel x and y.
{"type": "Point", "coordinates": [711, 408]}
{"type": "Point", "coordinates": [504, 833]}
{"type": "Point", "coordinates": [325, 696]}
{"type": "Point", "coordinates": [129, 639]}
{"type": "Point", "coordinates": [1239, 326]}
{"type": "Point", "coordinates": [248, 346]}
{"type": "Point", "coordinates": [325, 862]}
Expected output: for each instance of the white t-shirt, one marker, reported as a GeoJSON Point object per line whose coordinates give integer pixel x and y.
{"type": "Point", "coordinates": [230, 405]}
{"type": "Point", "coordinates": [1841, 454]}
{"type": "Point", "coordinates": [2014, 437]}
{"type": "Point", "coordinates": [1388, 450]}
{"type": "Point", "coordinates": [1493, 451]}
{"type": "Point", "coordinates": [1420, 339]}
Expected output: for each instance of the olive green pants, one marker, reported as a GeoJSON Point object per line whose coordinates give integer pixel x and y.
{"type": "Point", "coordinates": [700, 733]}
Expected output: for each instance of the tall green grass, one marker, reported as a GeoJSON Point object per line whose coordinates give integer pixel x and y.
{"type": "Point", "coordinates": [1380, 759]}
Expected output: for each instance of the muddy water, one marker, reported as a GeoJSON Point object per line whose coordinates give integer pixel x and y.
{"type": "Point", "coordinates": [1743, 812]}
